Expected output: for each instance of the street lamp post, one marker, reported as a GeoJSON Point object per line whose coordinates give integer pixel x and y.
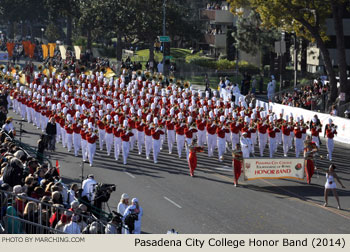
{"type": "Point", "coordinates": [164, 33]}
{"type": "Point", "coordinates": [42, 35]}
{"type": "Point", "coordinates": [281, 60]}
{"type": "Point", "coordinates": [295, 59]}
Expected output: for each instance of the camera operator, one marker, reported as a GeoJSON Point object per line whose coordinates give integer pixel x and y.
{"type": "Point", "coordinates": [132, 217]}
{"type": "Point", "coordinates": [8, 127]}
{"type": "Point", "coordinates": [115, 225]}
{"type": "Point", "coordinates": [88, 189]}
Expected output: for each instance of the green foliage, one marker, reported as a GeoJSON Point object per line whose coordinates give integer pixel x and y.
{"type": "Point", "coordinates": [52, 32]}
{"type": "Point", "coordinates": [251, 36]}
{"type": "Point", "coordinates": [80, 41]}
{"type": "Point", "coordinates": [201, 61]}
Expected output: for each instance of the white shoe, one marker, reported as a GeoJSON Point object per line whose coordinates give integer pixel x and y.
{"type": "Point", "coordinates": [90, 165]}
{"type": "Point", "coordinates": [155, 161]}
{"type": "Point", "coordinates": [147, 158]}
{"type": "Point", "coordinates": [169, 152]}
{"type": "Point", "coordinates": [139, 153]}
{"type": "Point", "coordinates": [285, 155]}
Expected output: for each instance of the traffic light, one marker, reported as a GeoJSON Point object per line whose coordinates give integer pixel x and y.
{"type": "Point", "coordinates": [166, 49]}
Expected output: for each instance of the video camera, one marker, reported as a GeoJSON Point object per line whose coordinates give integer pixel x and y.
{"type": "Point", "coordinates": [101, 187]}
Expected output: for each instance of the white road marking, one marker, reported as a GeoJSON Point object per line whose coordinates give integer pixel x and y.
{"type": "Point", "coordinates": [225, 168]}
{"type": "Point", "coordinates": [172, 202]}
{"type": "Point", "coordinates": [130, 174]}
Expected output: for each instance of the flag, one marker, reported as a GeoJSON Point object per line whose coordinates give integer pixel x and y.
{"type": "Point", "coordinates": [58, 167]}
{"type": "Point", "coordinates": [109, 73]}
{"type": "Point", "coordinates": [52, 47]}
{"type": "Point", "coordinates": [45, 50]}
{"type": "Point", "coordinates": [23, 80]}
{"type": "Point", "coordinates": [46, 72]}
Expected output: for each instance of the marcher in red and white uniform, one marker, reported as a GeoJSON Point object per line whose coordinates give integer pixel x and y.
{"type": "Point", "coordinates": [180, 134]}
{"type": "Point", "coordinates": [221, 137]}
{"type": "Point", "coordinates": [299, 143]}
{"type": "Point", "coordinates": [330, 131]}
{"type": "Point", "coordinates": [148, 136]}
{"type": "Point", "coordinates": [117, 130]}
{"type": "Point", "coordinates": [211, 134]}
{"type": "Point", "coordinates": [125, 136]}
{"type": "Point", "coordinates": [170, 126]}
{"type": "Point", "coordinates": [91, 138]}
{"type": "Point", "coordinates": [315, 132]}
{"type": "Point", "coordinates": [101, 129]}
{"type": "Point", "coordinates": [84, 143]}
{"type": "Point", "coordinates": [157, 131]}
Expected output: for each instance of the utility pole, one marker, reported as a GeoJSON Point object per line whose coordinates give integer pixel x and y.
{"type": "Point", "coordinates": [164, 33]}
{"type": "Point", "coordinates": [295, 59]}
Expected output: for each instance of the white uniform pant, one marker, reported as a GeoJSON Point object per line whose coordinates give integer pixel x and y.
{"type": "Point", "coordinates": [279, 137]}
{"type": "Point", "coordinates": [245, 151]}
{"type": "Point", "coordinates": [298, 146]}
{"type": "Point", "coordinates": [23, 111]}
{"type": "Point", "coordinates": [69, 141]}
{"type": "Point", "coordinates": [76, 143]}
{"type": "Point", "coordinates": [156, 149]}
{"type": "Point", "coordinates": [101, 137]}
{"type": "Point", "coordinates": [316, 140]}
{"type": "Point", "coordinates": [37, 119]}
{"type": "Point", "coordinates": [212, 142]}
{"type": "Point", "coordinates": [171, 139]}
{"type": "Point", "coordinates": [133, 138]}
{"type": "Point", "coordinates": [286, 142]}
{"type": "Point", "coordinates": [58, 130]}
{"type": "Point", "coordinates": [64, 137]}
{"type": "Point", "coordinates": [262, 143]}
{"type": "Point", "coordinates": [202, 137]}
{"type": "Point", "coordinates": [272, 145]}
{"type": "Point", "coordinates": [84, 151]}
{"type": "Point", "coordinates": [253, 138]}
{"type": "Point", "coordinates": [221, 146]}
{"type": "Point", "coordinates": [330, 147]}
{"type": "Point", "coordinates": [117, 147]}
{"type": "Point", "coordinates": [180, 142]}
{"type": "Point", "coordinates": [189, 142]}
{"type": "Point", "coordinates": [91, 152]}
{"type": "Point", "coordinates": [29, 114]}
{"type": "Point", "coordinates": [140, 140]}
{"type": "Point", "coordinates": [234, 140]}
{"type": "Point", "coordinates": [126, 149]}
{"type": "Point", "coordinates": [148, 145]}
{"type": "Point", "coordinates": [109, 143]}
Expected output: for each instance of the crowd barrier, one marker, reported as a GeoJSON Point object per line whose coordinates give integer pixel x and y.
{"type": "Point", "coordinates": [343, 124]}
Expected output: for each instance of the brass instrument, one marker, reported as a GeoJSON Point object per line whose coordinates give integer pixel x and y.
{"type": "Point", "coordinates": [178, 83]}
{"type": "Point", "coordinates": [82, 69]}
{"type": "Point", "coordinates": [18, 67]}
{"type": "Point", "coordinates": [186, 84]}
{"type": "Point", "coordinates": [2, 67]}
{"type": "Point", "coordinates": [147, 75]}
{"type": "Point", "coordinates": [65, 67]}
{"type": "Point", "coordinates": [40, 67]}
{"type": "Point", "coordinates": [139, 72]}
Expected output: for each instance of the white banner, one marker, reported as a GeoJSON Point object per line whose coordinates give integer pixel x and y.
{"type": "Point", "coordinates": [77, 50]}
{"type": "Point", "coordinates": [4, 56]}
{"type": "Point", "coordinates": [273, 168]}
{"type": "Point", "coordinates": [343, 124]}
{"type": "Point", "coordinates": [63, 50]}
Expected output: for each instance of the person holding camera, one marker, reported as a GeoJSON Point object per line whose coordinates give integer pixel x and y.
{"type": "Point", "coordinates": [132, 217]}
{"type": "Point", "coordinates": [88, 187]}
{"type": "Point", "coordinates": [51, 131]}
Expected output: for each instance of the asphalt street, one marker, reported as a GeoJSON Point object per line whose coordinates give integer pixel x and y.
{"type": "Point", "coordinates": [209, 203]}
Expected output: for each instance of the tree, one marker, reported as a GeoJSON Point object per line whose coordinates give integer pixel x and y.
{"type": "Point", "coordinates": [305, 18]}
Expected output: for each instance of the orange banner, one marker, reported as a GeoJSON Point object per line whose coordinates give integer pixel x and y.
{"type": "Point", "coordinates": [31, 50]}
{"type": "Point", "coordinates": [10, 47]}
{"type": "Point", "coordinates": [52, 47]}
{"type": "Point", "coordinates": [45, 51]}
{"type": "Point", "coordinates": [26, 47]}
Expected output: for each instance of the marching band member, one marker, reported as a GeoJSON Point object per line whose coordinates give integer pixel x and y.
{"type": "Point", "coordinates": [272, 137]}
{"type": "Point", "coordinates": [117, 130]}
{"type": "Point", "coordinates": [247, 146]}
{"type": "Point", "coordinates": [91, 138]}
{"type": "Point", "coordinates": [140, 126]}
{"type": "Point", "coordinates": [84, 144]}
{"type": "Point", "coordinates": [170, 126]}
{"type": "Point", "coordinates": [157, 131]}
{"type": "Point", "coordinates": [237, 163]}
{"type": "Point", "coordinates": [189, 131]}
{"type": "Point", "coordinates": [298, 139]}
{"type": "Point", "coordinates": [192, 157]}
{"type": "Point", "coordinates": [148, 135]}
{"type": "Point", "coordinates": [76, 134]}
{"type": "Point", "coordinates": [125, 136]}
{"type": "Point", "coordinates": [309, 152]}
{"type": "Point", "coordinates": [109, 134]}
{"type": "Point", "coordinates": [180, 131]}
{"type": "Point", "coordinates": [69, 132]}
{"type": "Point", "coordinates": [315, 132]}
{"type": "Point", "coordinates": [201, 123]}
{"type": "Point", "coordinates": [211, 130]}
{"type": "Point", "coordinates": [235, 128]}
{"type": "Point", "coordinates": [286, 129]}
{"type": "Point", "coordinates": [101, 129]}
{"type": "Point", "coordinates": [221, 136]}
{"type": "Point", "coordinates": [330, 131]}
{"type": "Point", "coordinates": [262, 134]}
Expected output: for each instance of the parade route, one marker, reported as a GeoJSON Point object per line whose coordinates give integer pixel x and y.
{"type": "Point", "coordinates": [209, 203]}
